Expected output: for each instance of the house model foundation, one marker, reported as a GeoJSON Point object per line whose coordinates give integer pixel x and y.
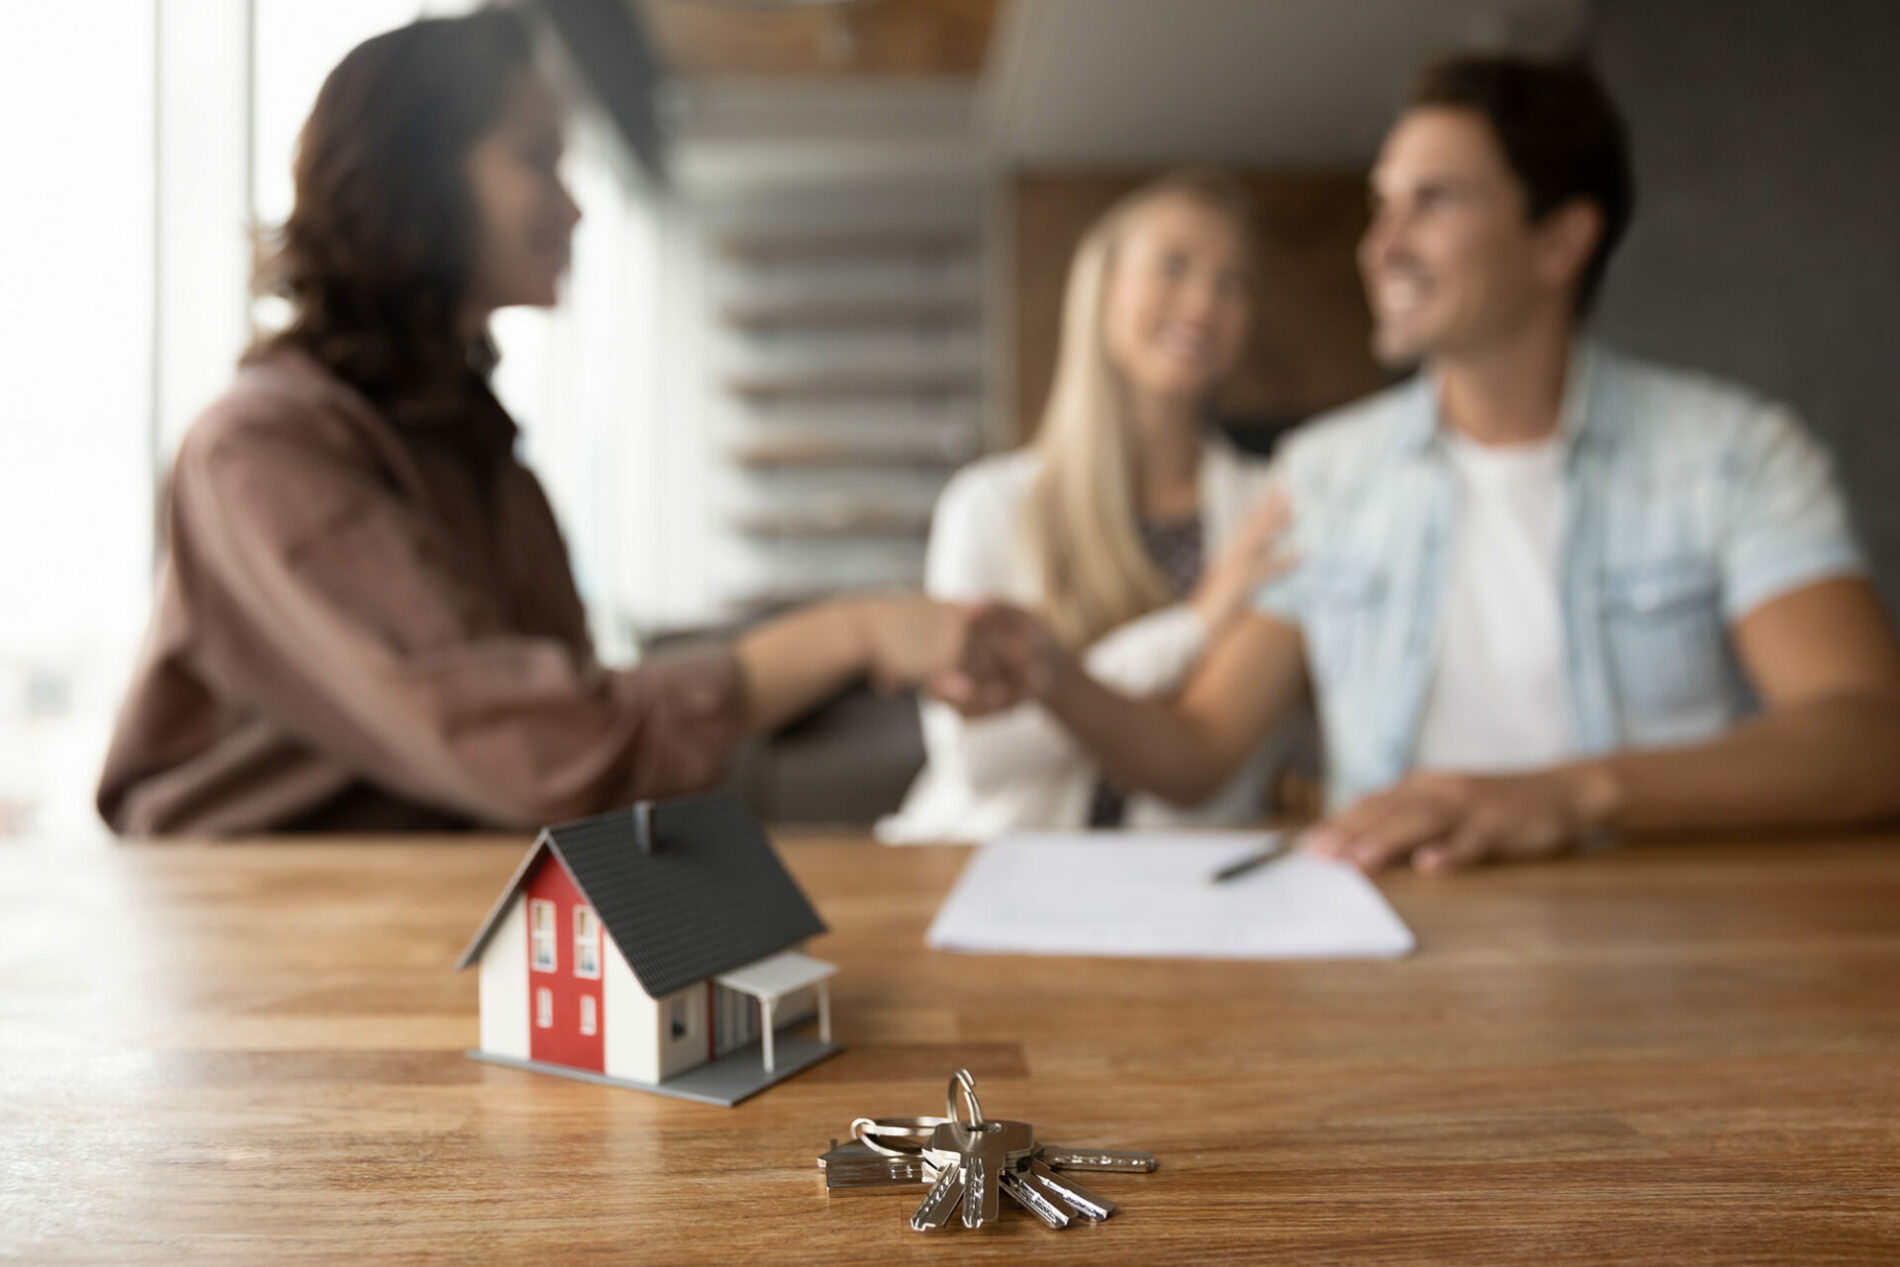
{"type": "Point", "coordinates": [655, 948]}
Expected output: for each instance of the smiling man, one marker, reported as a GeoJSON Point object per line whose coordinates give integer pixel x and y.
{"type": "Point", "coordinates": [1547, 592]}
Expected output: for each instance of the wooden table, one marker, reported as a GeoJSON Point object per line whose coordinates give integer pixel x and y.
{"type": "Point", "coordinates": [255, 1053]}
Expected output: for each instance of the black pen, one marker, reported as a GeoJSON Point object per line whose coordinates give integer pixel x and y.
{"type": "Point", "coordinates": [1278, 847]}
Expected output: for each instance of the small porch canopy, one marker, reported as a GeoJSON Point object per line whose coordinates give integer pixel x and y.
{"type": "Point", "coordinates": [770, 979]}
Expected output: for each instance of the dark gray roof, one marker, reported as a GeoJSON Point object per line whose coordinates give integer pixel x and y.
{"type": "Point", "coordinates": [709, 896]}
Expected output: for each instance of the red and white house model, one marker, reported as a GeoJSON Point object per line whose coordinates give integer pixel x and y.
{"type": "Point", "coordinates": [654, 948]}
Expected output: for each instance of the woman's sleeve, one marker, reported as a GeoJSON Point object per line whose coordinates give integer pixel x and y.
{"type": "Point", "coordinates": [326, 606]}
{"type": "Point", "coordinates": [1152, 654]}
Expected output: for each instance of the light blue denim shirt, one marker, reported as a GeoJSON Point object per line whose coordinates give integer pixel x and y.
{"type": "Point", "coordinates": [1690, 503]}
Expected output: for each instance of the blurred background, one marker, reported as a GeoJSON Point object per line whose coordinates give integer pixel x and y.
{"type": "Point", "coordinates": [820, 268]}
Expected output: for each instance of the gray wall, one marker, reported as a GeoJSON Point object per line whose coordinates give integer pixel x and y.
{"type": "Point", "coordinates": [1766, 246]}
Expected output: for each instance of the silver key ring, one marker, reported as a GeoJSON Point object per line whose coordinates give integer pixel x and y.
{"type": "Point", "coordinates": [962, 1081]}
{"type": "Point", "coordinates": [911, 1134]}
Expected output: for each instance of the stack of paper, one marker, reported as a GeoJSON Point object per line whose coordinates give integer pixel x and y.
{"type": "Point", "coordinates": [1151, 894]}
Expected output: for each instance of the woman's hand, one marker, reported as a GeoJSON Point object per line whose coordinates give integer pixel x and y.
{"type": "Point", "coordinates": [1250, 560]}
{"type": "Point", "coordinates": [905, 639]}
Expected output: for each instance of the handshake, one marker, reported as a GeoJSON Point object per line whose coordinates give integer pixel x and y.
{"type": "Point", "coordinates": [979, 657]}
{"type": "Point", "coordinates": [983, 657]}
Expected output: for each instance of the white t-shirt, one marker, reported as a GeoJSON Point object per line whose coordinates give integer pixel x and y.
{"type": "Point", "coordinates": [1497, 700]}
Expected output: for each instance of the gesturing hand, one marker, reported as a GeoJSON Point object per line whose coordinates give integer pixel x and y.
{"type": "Point", "coordinates": [1445, 821]}
{"type": "Point", "coordinates": [1252, 558]}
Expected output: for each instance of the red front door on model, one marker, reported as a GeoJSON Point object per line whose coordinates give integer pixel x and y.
{"type": "Point", "coordinates": [565, 1020]}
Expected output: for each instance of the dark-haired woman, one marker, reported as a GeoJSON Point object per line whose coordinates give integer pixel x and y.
{"type": "Point", "coordinates": [365, 618]}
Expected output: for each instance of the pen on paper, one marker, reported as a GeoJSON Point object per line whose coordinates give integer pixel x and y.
{"type": "Point", "coordinates": [1278, 847]}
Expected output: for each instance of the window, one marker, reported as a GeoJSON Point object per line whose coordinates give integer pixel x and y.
{"type": "Point", "coordinates": [541, 932]}
{"type": "Point", "coordinates": [76, 379]}
{"type": "Point", "coordinates": [544, 1008]}
{"type": "Point", "coordinates": [590, 1019]}
{"type": "Point", "coordinates": [586, 943]}
{"type": "Point", "coordinates": [681, 1019]}
{"type": "Point", "coordinates": [593, 385]}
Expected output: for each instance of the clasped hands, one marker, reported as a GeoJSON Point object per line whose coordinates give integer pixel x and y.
{"type": "Point", "coordinates": [1009, 656]}
{"type": "Point", "coordinates": [977, 657]}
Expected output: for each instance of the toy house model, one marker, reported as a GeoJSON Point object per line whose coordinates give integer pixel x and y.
{"type": "Point", "coordinates": [654, 948]}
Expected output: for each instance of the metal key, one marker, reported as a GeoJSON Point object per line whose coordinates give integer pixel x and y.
{"type": "Point", "coordinates": [1024, 1191]}
{"type": "Point", "coordinates": [983, 1151]}
{"type": "Point", "coordinates": [1067, 1191]}
{"type": "Point", "coordinates": [1114, 1161]}
{"type": "Point", "coordinates": [884, 1154]}
{"type": "Point", "coordinates": [969, 1164]}
{"type": "Point", "coordinates": [854, 1168]}
{"type": "Point", "coordinates": [980, 1148]}
{"type": "Point", "coordinates": [941, 1201]}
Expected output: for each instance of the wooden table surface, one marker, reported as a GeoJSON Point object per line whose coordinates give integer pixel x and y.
{"type": "Point", "coordinates": [254, 1053]}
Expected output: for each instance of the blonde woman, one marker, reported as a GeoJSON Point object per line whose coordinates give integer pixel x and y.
{"type": "Point", "coordinates": [1130, 526]}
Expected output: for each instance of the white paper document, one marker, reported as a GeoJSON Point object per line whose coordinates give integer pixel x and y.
{"type": "Point", "coordinates": [1151, 895]}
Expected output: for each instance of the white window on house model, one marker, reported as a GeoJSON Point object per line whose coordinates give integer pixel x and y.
{"type": "Point", "coordinates": [590, 1019]}
{"type": "Point", "coordinates": [544, 1008]}
{"type": "Point", "coordinates": [541, 931]}
{"type": "Point", "coordinates": [586, 944]}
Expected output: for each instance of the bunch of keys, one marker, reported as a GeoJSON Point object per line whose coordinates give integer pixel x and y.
{"type": "Point", "coordinates": [970, 1165]}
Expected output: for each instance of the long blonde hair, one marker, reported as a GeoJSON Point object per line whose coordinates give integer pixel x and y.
{"type": "Point", "coordinates": [1079, 522]}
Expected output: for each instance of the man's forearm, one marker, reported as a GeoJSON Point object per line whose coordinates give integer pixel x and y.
{"type": "Point", "coordinates": [1827, 763]}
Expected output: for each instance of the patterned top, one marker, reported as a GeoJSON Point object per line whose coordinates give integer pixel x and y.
{"type": "Point", "coordinates": [1177, 548]}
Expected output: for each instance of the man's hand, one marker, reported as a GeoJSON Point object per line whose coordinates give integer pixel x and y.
{"type": "Point", "coordinates": [1009, 656]}
{"type": "Point", "coordinates": [1252, 558]}
{"type": "Point", "coordinates": [1445, 821]}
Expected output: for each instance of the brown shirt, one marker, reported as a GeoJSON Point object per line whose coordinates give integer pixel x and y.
{"type": "Point", "coordinates": [365, 620]}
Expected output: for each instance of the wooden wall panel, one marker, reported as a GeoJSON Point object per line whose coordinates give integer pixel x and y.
{"type": "Point", "coordinates": [1311, 327]}
{"type": "Point", "coordinates": [887, 37]}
